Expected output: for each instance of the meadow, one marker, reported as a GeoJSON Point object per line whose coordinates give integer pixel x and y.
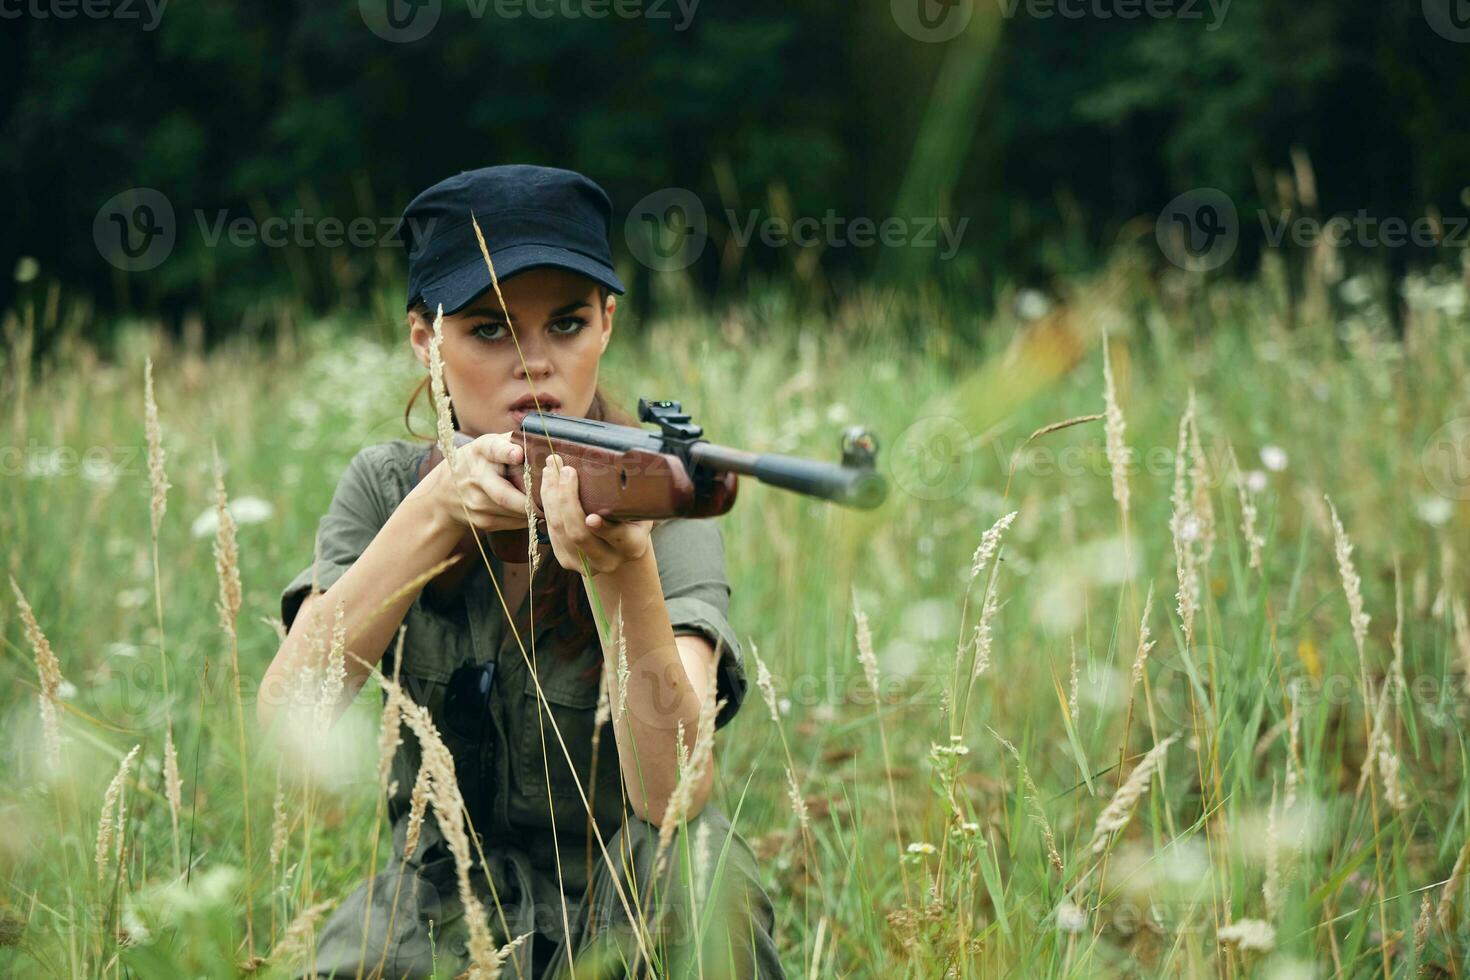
{"type": "Point", "coordinates": [1153, 663]}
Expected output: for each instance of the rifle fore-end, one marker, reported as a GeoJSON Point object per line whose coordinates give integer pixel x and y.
{"type": "Point", "coordinates": [617, 485]}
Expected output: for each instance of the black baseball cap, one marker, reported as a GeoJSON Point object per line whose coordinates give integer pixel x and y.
{"type": "Point", "coordinates": [530, 216]}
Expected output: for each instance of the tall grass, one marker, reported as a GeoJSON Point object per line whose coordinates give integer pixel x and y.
{"type": "Point", "coordinates": [1204, 717]}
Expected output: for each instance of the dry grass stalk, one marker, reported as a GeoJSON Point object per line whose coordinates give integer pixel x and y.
{"type": "Point", "coordinates": [1033, 798]}
{"type": "Point", "coordinates": [1115, 428]}
{"type": "Point", "coordinates": [443, 422]}
{"type": "Point", "coordinates": [1445, 912]}
{"type": "Point", "coordinates": [305, 676]}
{"type": "Point", "coordinates": [1184, 529]}
{"type": "Point", "coordinates": [390, 733]}
{"type": "Point", "coordinates": [1116, 814]}
{"type": "Point", "coordinates": [693, 764]}
{"type": "Point", "coordinates": [1388, 760]}
{"type": "Point", "coordinates": [418, 803]}
{"type": "Point", "coordinates": [227, 570]}
{"type": "Point", "coordinates": [533, 545]}
{"type": "Point", "coordinates": [1199, 479]}
{"type": "Point", "coordinates": [173, 787]}
{"type": "Point", "coordinates": [1145, 640]}
{"type": "Point", "coordinates": [1255, 544]}
{"type": "Point", "coordinates": [157, 478]}
{"type": "Point", "coordinates": [989, 546]}
{"type": "Point", "coordinates": [1352, 586]}
{"type": "Point", "coordinates": [1271, 889]}
{"type": "Point", "coordinates": [625, 673]}
{"type": "Point", "coordinates": [449, 810]}
{"type": "Point", "coordinates": [226, 556]}
{"type": "Point", "coordinates": [296, 941]}
{"type": "Point", "coordinates": [110, 824]}
{"type": "Point", "coordinates": [1293, 757]}
{"type": "Point", "coordinates": [798, 803]}
{"type": "Point", "coordinates": [48, 668]}
{"type": "Point", "coordinates": [1421, 927]}
{"type": "Point", "coordinates": [767, 686]}
{"type": "Point", "coordinates": [334, 672]}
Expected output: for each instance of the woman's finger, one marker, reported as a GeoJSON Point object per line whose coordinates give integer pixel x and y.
{"type": "Point", "coordinates": [570, 535]}
{"type": "Point", "coordinates": [497, 447]}
{"type": "Point", "coordinates": [499, 489]}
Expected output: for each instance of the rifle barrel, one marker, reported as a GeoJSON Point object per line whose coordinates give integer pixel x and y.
{"type": "Point", "coordinates": [853, 486]}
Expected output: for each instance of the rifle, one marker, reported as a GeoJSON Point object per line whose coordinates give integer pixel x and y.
{"type": "Point", "coordinates": [629, 473]}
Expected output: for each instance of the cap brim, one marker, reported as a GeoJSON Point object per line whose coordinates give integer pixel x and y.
{"type": "Point", "coordinates": [458, 289]}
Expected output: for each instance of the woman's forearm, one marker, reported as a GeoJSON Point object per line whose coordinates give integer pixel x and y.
{"type": "Point", "coordinates": [412, 541]}
{"type": "Point", "coordinates": [659, 694]}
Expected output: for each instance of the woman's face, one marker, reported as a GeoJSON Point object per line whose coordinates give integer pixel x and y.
{"type": "Point", "coordinates": [562, 327]}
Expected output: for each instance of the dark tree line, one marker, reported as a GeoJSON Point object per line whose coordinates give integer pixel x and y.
{"type": "Point", "coordinates": [1077, 119]}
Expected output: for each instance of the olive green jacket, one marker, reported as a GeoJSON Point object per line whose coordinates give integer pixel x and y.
{"type": "Point", "coordinates": [504, 779]}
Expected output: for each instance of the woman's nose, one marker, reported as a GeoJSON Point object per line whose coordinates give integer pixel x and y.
{"type": "Point", "coordinates": [533, 364]}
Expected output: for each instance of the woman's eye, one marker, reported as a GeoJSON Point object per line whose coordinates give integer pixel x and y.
{"type": "Point", "coordinates": [496, 331]}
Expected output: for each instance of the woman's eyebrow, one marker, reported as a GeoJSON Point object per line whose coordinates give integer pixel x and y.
{"type": "Point", "coordinates": [494, 313]}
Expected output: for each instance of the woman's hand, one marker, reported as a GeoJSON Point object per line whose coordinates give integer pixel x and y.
{"type": "Point", "coordinates": [477, 493]}
{"type": "Point", "coordinates": [607, 544]}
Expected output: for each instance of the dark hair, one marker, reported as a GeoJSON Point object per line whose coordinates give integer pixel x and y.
{"type": "Point", "coordinates": [557, 591]}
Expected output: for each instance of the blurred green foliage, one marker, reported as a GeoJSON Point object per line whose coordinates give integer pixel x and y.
{"type": "Point", "coordinates": [1048, 124]}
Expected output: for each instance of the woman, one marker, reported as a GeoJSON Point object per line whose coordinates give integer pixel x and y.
{"type": "Point", "coordinates": [549, 868]}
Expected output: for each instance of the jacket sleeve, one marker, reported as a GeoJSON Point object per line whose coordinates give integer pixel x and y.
{"type": "Point", "coordinates": [357, 512]}
{"type": "Point", "coordinates": [690, 554]}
